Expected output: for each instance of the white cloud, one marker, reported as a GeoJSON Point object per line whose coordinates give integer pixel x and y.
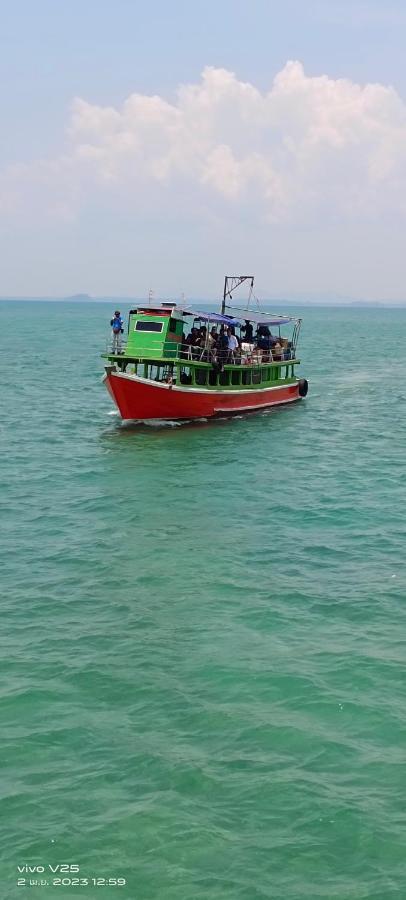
{"type": "Point", "coordinates": [311, 149]}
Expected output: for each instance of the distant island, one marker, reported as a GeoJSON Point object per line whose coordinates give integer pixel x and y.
{"type": "Point", "coordinates": [274, 303]}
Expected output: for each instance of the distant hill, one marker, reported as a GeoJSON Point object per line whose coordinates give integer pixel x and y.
{"type": "Point", "coordinates": [274, 304]}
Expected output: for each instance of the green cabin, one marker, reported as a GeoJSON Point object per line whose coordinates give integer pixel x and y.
{"type": "Point", "coordinates": [154, 333]}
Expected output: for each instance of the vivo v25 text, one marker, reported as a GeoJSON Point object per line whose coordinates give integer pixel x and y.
{"type": "Point", "coordinates": [62, 868]}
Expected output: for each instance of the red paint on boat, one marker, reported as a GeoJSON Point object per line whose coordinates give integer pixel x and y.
{"type": "Point", "coordinates": [139, 398]}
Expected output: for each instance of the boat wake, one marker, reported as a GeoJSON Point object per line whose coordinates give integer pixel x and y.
{"type": "Point", "coordinates": [161, 423]}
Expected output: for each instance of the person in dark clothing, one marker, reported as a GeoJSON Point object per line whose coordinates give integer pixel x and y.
{"type": "Point", "coordinates": [248, 331]}
{"type": "Point", "coordinates": [195, 343]}
{"type": "Point", "coordinates": [185, 346]}
{"type": "Point", "coordinates": [222, 347]}
{"type": "Point", "coordinates": [264, 338]}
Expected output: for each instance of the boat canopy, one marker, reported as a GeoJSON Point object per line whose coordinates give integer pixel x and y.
{"type": "Point", "coordinates": [213, 317]}
{"type": "Point", "coordinates": [240, 315]}
{"type": "Point", "coordinates": [263, 318]}
{"type": "Point", "coordinates": [259, 318]}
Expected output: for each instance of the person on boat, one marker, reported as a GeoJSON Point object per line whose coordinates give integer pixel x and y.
{"type": "Point", "coordinates": [265, 339]}
{"type": "Point", "coordinates": [117, 330]}
{"type": "Point", "coordinates": [185, 352]}
{"type": "Point", "coordinates": [203, 337]}
{"type": "Point", "coordinates": [195, 343]}
{"type": "Point", "coordinates": [213, 354]}
{"type": "Point", "coordinates": [232, 344]}
{"type": "Point", "coordinates": [190, 343]}
{"type": "Point", "coordinates": [202, 343]}
{"type": "Point", "coordinates": [248, 331]}
{"type": "Point", "coordinates": [264, 330]}
{"type": "Point", "coordinates": [222, 347]}
{"type": "Point", "coordinates": [212, 340]}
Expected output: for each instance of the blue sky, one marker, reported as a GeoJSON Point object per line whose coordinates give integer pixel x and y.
{"type": "Point", "coordinates": [77, 213]}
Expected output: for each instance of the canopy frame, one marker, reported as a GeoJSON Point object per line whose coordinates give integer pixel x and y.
{"type": "Point", "coordinates": [231, 283]}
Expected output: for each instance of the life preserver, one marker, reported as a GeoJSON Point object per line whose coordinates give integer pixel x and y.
{"type": "Point", "coordinates": [303, 387]}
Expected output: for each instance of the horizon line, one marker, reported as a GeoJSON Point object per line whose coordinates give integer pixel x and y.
{"type": "Point", "coordinates": [107, 298]}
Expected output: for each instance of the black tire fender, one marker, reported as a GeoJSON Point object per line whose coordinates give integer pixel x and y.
{"type": "Point", "coordinates": [303, 387]}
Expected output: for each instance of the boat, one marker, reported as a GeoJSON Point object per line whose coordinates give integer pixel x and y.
{"type": "Point", "coordinates": [177, 363]}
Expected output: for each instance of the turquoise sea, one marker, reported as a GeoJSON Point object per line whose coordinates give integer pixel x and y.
{"type": "Point", "coordinates": [202, 627]}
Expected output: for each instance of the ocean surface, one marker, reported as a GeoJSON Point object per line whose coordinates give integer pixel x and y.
{"type": "Point", "coordinates": [202, 626]}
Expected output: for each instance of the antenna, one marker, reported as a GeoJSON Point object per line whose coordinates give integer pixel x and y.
{"type": "Point", "coordinates": [231, 283]}
{"type": "Point", "coordinates": [150, 296]}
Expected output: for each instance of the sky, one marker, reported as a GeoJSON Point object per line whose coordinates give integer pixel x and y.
{"type": "Point", "coordinates": [160, 145]}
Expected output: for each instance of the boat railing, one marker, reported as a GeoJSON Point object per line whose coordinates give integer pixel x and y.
{"type": "Point", "coordinates": [154, 349]}
{"type": "Point", "coordinates": [112, 346]}
{"type": "Point", "coordinates": [174, 352]}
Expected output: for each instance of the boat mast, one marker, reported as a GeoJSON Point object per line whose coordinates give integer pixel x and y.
{"type": "Point", "coordinates": [231, 282]}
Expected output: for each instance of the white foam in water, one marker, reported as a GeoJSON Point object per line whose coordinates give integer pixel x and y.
{"type": "Point", "coordinates": [113, 412]}
{"type": "Point", "coordinates": [151, 423]}
{"type": "Point", "coordinates": [170, 423]}
{"type": "Point", "coordinates": [161, 423]}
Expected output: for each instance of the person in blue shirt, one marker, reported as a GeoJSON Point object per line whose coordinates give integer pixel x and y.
{"type": "Point", "coordinates": [117, 330]}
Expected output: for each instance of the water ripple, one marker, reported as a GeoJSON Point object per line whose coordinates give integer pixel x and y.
{"type": "Point", "coordinates": [202, 628]}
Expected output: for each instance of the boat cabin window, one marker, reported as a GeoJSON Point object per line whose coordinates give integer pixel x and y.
{"type": "Point", "coordinates": [148, 326]}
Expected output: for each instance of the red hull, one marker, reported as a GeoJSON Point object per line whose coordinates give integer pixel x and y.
{"type": "Point", "coordinates": [139, 398]}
